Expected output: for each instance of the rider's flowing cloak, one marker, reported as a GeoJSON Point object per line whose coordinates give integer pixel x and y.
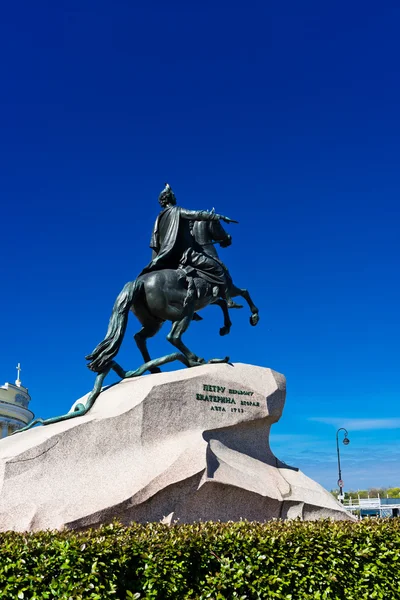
{"type": "Point", "coordinates": [165, 251]}
{"type": "Point", "coordinates": [170, 250]}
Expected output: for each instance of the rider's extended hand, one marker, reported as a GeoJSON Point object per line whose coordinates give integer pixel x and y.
{"type": "Point", "coordinates": [228, 220]}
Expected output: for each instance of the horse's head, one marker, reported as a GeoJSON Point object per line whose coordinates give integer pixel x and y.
{"type": "Point", "coordinates": [218, 234]}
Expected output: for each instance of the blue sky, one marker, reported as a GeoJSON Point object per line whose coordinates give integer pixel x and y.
{"type": "Point", "coordinates": [283, 116]}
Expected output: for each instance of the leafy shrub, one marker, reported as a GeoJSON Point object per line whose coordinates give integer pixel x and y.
{"type": "Point", "coordinates": [288, 560]}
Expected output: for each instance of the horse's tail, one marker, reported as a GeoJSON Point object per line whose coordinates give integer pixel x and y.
{"type": "Point", "coordinates": [103, 354]}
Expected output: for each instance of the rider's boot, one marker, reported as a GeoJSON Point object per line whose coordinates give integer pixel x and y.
{"type": "Point", "coordinates": [230, 303]}
{"type": "Point", "coordinates": [223, 292]}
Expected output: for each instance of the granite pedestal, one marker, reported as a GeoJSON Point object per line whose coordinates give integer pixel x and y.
{"type": "Point", "coordinates": [183, 446]}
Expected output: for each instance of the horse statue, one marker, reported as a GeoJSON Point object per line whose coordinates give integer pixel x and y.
{"type": "Point", "coordinates": [162, 296]}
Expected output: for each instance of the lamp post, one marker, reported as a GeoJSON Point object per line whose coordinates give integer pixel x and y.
{"type": "Point", "coordinates": [346, 441]}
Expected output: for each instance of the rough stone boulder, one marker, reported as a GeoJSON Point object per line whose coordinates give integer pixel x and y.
{"type": "Point", "coordinates": [186, 445]}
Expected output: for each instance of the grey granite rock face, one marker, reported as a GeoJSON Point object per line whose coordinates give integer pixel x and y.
{"type": "Point", "coordinates": [185, 445]}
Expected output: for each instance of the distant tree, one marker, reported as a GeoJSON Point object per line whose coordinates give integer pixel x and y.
{"type": "Point", "coordinates": [362, 494]}
{"type": "Point", "coordinates": [353, 495]}
{"type": "Point", "coordinates": [375, 492]}
{"type": "Point", "coordinates": [371, 492]}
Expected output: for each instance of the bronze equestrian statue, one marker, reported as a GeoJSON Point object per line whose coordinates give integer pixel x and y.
{"type": "Point", "coordinates": [180, 280]}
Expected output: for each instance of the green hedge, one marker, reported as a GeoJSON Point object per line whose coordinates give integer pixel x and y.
{"type": "Point", "coordinates": [281, 559]}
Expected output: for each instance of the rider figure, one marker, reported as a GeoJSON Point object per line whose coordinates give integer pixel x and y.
{"type": "Point", "coordinates": [174, 246]}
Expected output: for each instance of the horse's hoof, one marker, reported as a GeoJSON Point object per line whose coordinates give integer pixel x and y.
{"type": "Point", "coordinates": [196, 361]}
{"type": "Point", "coordinates": [224, 330]}
{"type": "Point", "coordinates": [155, 370]}
{"type": "Point", "coordinates": [254, 319]}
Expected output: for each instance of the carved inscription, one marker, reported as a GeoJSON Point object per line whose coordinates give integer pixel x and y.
{"type": "Point", "coordinates": [222, 399]}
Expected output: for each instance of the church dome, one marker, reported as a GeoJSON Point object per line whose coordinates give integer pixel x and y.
{"type": "Point", "coordinates": [14, 402]}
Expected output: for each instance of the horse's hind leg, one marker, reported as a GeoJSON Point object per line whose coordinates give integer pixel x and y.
{"type": "Point", "coordinates": [148, 330]}
{"type": "Point", "coordinates": [175, 335]}
{"type": "Point", "coordinates": [227, 321]}
{"type": "Point", "coordinates": [235, 291]}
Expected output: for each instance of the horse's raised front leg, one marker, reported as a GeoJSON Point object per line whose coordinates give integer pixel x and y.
{"type": "Point", "coordinates": [227, 322]}
{"type": "Point", "coordinates": [148, 330]}
{"type": "Point", "coordinates": [235, 291]}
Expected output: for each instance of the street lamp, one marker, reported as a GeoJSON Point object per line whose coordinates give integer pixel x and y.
{"type": "Point", "coordinates": [346, 442]}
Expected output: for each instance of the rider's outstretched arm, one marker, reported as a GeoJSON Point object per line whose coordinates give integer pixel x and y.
{"type": "Point", "coordinates": [203, 215]}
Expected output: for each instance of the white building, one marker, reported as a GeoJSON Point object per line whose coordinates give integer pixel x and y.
{"type": "Point", "coordinates": [14, 401]}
